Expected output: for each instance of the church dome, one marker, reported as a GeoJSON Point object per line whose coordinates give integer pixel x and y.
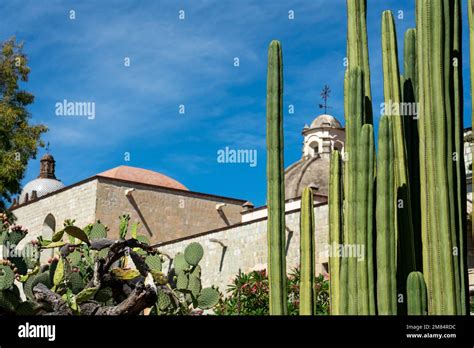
{"type": "Point", "coordinates": [42, 186]}
{"type": "Point", "coordinates": [325, 121]}
{"type": "Point", "coordinates": [308, 172]}
{"type": "Point", "coordinates": [143, 176]}
{"type": "Point", "coordinates": [45, 183]}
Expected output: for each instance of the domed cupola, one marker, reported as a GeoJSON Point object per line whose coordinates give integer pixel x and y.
{"type": "Point", "coordinates": [324, 135]}
{"type": "Point", "coordinates": [44, 184]}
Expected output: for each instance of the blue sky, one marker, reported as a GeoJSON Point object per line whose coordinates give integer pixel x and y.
{"type": "Point", "coordinates": [188, 62]}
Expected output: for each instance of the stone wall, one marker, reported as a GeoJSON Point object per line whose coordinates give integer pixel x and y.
{"type": "Point", "coordinates": [76, 202]}
{"type": "Point", "coordinates": [164, 214]}
{"type": "Point", "coordinates": [246, 247]}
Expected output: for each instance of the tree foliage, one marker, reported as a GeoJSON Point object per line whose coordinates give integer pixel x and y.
{"type": "Point", "coordinates": [19, 140]}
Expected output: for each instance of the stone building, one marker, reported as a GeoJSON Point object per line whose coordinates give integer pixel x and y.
{"type": "Point", "coordinates": [232, 231]}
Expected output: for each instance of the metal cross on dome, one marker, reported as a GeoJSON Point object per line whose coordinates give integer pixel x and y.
{"type": "Point", "coordinates": [325, 96]}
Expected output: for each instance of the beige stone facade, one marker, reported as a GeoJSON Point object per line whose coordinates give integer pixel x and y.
{"type": "Point", "coordinates": [164, 214]}
{"type": "Point", "coordinates": [244, 247]}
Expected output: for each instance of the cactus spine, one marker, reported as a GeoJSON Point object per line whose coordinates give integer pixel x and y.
{"type": "Point", "coordinates": [416, 294]}
{"type": "Point", "coordinates": [336, 266]}
{"type": "Point", "coordinates": [275, 182]}
{"type": "Point", "coordinates": [385, 216]}
{"type": "Point", "coordinates": [307, 253]}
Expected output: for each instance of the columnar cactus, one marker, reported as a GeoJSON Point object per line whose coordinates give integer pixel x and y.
{"type": "Point", "coordinates": [364, 209]}
{"type": "Point", "coordinates": [416, 294]}
{"type": "Point", "coordinates": [338, 280]}
{"type": "Point", "coordinates": [385, 216]}
{"type": "Point", "coordinates": [393, 96]}
{"type": "Point", "coordinates": [307, 253]}
{"type": "Point", "coordinates": [275, 182]}
{"type": "Point", "coordinates": [441, 167]}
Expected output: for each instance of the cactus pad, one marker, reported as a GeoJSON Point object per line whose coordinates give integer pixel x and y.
{"type": "Point", "coordinates": [75, 258]}
{"type": "Point", "coordinates": [194, 285]}
{"type": "Point", "coordinates": [104, 295]}
{"type": "Point", "coordinates": [163, 301]}
{"type": "Point", "coordinates": [27, 308]}
{"type": "Point", "coordinates": [9, 300]}
{"type": "Point", "coordinates": [143, 239]}
{"type": "Point", "coordinates": [154, 262]}
{"type": "Point", "coordinates": [208, 298]}
{"type": "Point", "coordinates": [182, 280]}
{"type": "Point", "coordinates": [102, 254]}
{"type": "Point", "coordinates": [76, 282]}
{"type": "Point", "coordinates": [7, 277]}
{"type": "Point", "coordinates": [98, 231]}
{"type": "Point", "coordinates": [193, 253]}
{"type": "Point", "coordinates": [180, 263]}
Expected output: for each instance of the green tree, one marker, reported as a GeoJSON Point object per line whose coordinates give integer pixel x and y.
{"type": "Point", "coordinates": [19, 140]}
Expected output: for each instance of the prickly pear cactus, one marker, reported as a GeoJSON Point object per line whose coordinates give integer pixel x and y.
{"type": "Point", "coordinates": [193, 253]}
{"type": "Point", "coordinates": [180, 263]}
{"type": "Point", "coordinates": [7, 277]}
{"type": "Point", "coordinates": [154, 262]}
{"type": "Point", "coordinates": [98, 231]}
{"type": "Point", "coordinates": [208, 298]}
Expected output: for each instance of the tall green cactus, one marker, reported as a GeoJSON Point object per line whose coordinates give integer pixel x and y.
{"type": "Point", "coordinates": [441, 167]}
{"type": "Point", "coordinates": [358, 49]}
{"type": "Point", "coordinates": [393, 97]}
{"type": "Point", "coordinates": [337, 266]}
{"type": "Point", "coordinates": [416, 294]}
{"type": "Point", "coordinates": [307, 253]}
{"type": "Point", "coordinates": [275, 182]}
{"type": "Point", "coordinates": [385, 216]}
{"type": "Point", "coordinates": [364, 209]}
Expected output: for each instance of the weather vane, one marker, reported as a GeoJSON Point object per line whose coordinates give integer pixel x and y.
{"type": "Point", "coordinates": [325, 96]}
{"type": "Point", "coordinates": [47, 148]}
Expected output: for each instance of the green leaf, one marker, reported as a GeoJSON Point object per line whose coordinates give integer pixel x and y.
{"type": "Point", "coordinates": [77, 233]}
{"type": "Point", "coordinates": [58, 236]}
{"type": "Point", "coordinates": [86, 294]}
{"type": "Point", "coordinates": [125, 274]}
{"type": "Point", "coordinates": [59, 273]}
{"type": "Point", "coordinates": [134, 230]}
{"type": "Point", "coordinates": [53, 245]}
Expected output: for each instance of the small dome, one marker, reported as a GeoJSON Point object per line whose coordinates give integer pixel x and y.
{"type": "Point", "coordinates": [42, 186]}
{"type": "Point", "coordinates": [309, 171]}
{"type": "Point", "coordinates": [143, 176]}
{"type": "Point", "coordinates": [325, 121]}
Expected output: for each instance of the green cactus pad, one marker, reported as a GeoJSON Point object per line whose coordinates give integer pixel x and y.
{"type": "Point", "coordinates": [32, 281]}
{"type": "Point", "coordinates": [7, 277]}
{"type": "Point", "coordinates": [196, 272]}
{"type": "Point", "coordinates": [27, 308]}
{"type": "Point", "coordinates": [31, 256]}
{"type": "Point", "coordinates": [98, 231]}
{"type": "Point", "coordinates": [194, 285]}
{"type": "Point", "coordinates": [20, 264]}
{"type": "Point", "coordinates": [180, 263]}
{"type": "Point", "coordinates": [9, 300]}
{"type": "Point", "coordinates": [143, 239]}
{"type": "Point", "coordinates": [193, 253]}
{"type": "Point", "coordinates": [75, 258]}
{"type": "Point", "coordinates": [15, 237]}
{"type": "Point", "coordinates": [102, 254]}
{"type": "Point", "coordinates": [208, 298]}
{"type": "Point", "coordinates": [76, 283]}
{"type": "Point", "coordinates": [163, 301]}
{"type": "Point", "coordinates": [104, 295]}
{"type": "Point", "coordinates": [182, 280]}
{"type": "Point", "coordinates": [154, 262]}
{"type": "Point", "coordinates": [52, 270]}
